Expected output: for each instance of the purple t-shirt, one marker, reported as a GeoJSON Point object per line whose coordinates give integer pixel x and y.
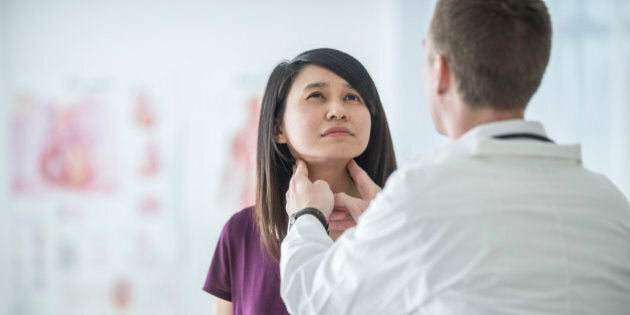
{"type": "Point", "coordinates": [242, 271]}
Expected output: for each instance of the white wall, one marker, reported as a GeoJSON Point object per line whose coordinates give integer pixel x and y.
{"type": "Point", "coordinates": [584, 97]}
{"type": "Point", "coordinates": [410, 120]}
{"type": "Point", "coordinates": [5, 233]}
{"type": "Point", "coordinates": [200, 61]}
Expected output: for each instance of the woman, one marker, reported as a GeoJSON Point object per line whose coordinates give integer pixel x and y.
{"type": "Point", "coordinates": [321, 107]}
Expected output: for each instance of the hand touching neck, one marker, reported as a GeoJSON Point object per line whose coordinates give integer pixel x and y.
{"type": "Point", "coordinates": [335, 174]}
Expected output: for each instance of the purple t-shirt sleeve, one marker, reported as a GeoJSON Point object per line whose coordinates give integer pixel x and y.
{"type": "Point", "coordinates": [242, 272]}
{"type": "Point", "coordinates": [218, 280]}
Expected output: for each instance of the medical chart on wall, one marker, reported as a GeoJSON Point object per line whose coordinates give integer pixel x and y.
{"type": "Point", "coordinates": [96, 222]}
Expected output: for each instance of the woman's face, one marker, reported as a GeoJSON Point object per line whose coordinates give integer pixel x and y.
{"type": "Point", "coordinates": [325, 118]}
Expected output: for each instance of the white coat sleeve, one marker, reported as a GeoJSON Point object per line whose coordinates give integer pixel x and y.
{"type": "Point", "coordinates": [363, 272]}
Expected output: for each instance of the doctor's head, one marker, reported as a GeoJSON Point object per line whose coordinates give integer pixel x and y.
{"type": "Point", "coordinates": [485, 54]}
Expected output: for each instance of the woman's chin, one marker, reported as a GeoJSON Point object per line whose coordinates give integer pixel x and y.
{"type": "Point", "coordinates": [341, 159]}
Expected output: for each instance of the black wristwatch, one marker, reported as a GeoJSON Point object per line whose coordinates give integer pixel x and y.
{"type": "Point", "coordinates": [312, 211]}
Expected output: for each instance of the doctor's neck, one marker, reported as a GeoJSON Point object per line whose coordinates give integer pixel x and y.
{"type": "Point", "coordinates": [467, 118]}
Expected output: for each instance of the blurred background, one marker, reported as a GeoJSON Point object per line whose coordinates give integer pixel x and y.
{"type": "Point", "coordinates": [127, 128]}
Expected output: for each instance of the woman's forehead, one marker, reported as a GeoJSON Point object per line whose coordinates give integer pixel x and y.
{"type": "Point", "coordinates": [314, 76]}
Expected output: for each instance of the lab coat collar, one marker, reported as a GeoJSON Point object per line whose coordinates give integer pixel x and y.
{"type": "Point", "coordinates": [489, 130]}
{"type": "Point", "coordinates": [480, 142]}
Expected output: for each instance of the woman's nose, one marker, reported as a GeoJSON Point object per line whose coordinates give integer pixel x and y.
{"type": "Point", "coordinates": [336, 110]}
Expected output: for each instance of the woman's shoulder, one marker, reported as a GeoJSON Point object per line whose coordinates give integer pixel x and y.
{"type": "Point", "coordinates": [240, 222]}
{"type": "Point", "coordinates": [243, 216]}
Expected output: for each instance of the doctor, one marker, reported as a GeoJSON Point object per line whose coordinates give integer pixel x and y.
{"type": "Point", "coordinates": [501, 221]}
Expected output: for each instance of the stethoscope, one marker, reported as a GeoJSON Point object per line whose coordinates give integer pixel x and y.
{"type": "Point", "coordinates": [523, 136]}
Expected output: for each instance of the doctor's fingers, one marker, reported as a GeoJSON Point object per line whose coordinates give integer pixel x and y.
{"type": "Point", "coordinates": [340, 220]}
{"type": "Point", "coordinates": [300, 168]}
{"type": "Point", "coordinates": [367, 188]}
{"type": "Point", "coordinates": [355, 206]}
{"type": "Point", "coordinates": [299, 180]}
{"type": "Point", "coordinates": [342, 225]}
{"type": "Point", "coordinates": [339, 214]}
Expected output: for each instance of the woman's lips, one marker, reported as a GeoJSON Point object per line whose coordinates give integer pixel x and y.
{"type": "Point", "coordinates": [336, 132]}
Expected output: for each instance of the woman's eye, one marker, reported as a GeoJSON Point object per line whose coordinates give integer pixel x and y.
{"type": "Point", "coordinates": [315, 95]}
{"type": "Point", "coordinates": [353, 98]}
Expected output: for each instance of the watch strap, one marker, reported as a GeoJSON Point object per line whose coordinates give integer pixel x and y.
{"type": "Point", "coordinates": [312, 211]}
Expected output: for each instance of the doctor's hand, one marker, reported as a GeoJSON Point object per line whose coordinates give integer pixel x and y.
{"type": "Point", "coordinates": [340, 220]}
{"type": "Point", "coordinates": [366, 187]}
{"type": "Point", "coordinates": [303, 193]}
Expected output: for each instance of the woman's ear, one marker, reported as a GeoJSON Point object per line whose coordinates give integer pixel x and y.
{"type": "Point", "coordinates": [279, 134]}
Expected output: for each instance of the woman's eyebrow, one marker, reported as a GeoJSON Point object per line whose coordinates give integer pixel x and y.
{"type": "Point", "coordinates": [316, 85]}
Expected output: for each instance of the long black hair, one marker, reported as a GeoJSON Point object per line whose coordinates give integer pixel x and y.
{"type": "Point", "coordinates": [274, 161]}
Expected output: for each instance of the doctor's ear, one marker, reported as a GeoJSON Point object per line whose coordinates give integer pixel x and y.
{"type": "Point", "coordinates": [278, 131]}
{"type": "Point", "coordinates": [442, 74]}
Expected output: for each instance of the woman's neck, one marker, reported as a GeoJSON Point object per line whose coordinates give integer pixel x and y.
{"type": "Point", "coordinates": [335, 174]}
{"type": "Point", "coordinates": [338, 178]}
